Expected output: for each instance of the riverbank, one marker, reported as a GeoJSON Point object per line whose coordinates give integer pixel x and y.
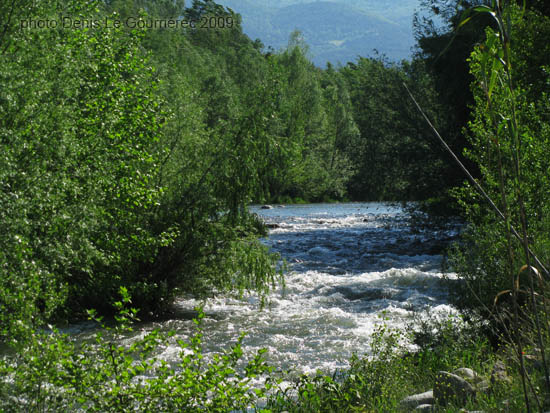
{"type": "Point", "coordinates": [429, 379]}
{"type": "Point", "coordinates": [363, 322]}
{"type": "Point", "coordinates": [55, 374]}
{"type": "Point", "coordinates": [354, 269]}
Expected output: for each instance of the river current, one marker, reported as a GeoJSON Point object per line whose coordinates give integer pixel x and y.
{"type": "Point", "coordinates": [351, 267]}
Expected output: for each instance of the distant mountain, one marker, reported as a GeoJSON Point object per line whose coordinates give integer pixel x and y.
{"type": "Point", "coordinates": [336, 31]}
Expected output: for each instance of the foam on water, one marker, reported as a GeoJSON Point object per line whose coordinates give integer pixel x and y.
{"type": "Point", "coordinates": [352, 267]}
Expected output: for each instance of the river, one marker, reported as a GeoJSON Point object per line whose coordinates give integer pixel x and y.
{"type": "Point", "coordinates": [352, 266]}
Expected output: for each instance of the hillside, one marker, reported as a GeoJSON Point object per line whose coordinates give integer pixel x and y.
{"type": "Point", "coordinates": [336, 31]}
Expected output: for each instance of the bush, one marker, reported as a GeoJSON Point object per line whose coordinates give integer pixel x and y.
{"type": "Point", "coordinates": [378, 383]}
{"type": "Point", "coordinates": [51, 372]}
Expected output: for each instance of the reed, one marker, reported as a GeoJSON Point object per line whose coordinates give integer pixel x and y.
{"type": "Point", "coordinates": [492, 64]}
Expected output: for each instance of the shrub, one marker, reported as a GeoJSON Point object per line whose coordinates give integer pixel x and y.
{"type": "Point", "coordinates": [52, 372]}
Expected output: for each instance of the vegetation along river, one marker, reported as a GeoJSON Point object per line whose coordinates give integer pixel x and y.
{"type": "Point", "coordinates": [350, 266]}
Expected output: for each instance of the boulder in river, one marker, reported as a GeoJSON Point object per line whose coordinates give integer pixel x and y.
{"type": "Point", "coordinates": [267, 207]}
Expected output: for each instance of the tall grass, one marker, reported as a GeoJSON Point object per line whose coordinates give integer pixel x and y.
{"type": "Point", "coordinates": [502, 132]}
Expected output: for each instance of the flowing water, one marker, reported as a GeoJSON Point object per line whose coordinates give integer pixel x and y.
{"type": "Point", "coordinates": [351, 265]}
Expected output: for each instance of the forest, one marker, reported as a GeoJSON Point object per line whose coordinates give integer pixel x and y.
{"type": "Point", "coordinates": [131, 151]}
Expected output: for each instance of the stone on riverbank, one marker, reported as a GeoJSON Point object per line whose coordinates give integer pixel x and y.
{"type": "Point", "coordinates": [424, 408]}
{"type": "Point", "coordinates": [451, 387]}
{"type": "Point", "coordinates": [417, 400]}
{"type": "Point", "coordinates": [466, 374]}
{"type": "Point", "coordinates": [499, 374]}
{"type": "Point", "coordinates": [458, 387]}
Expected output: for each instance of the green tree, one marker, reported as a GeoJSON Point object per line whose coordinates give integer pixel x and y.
{"type": "Point", "coordinates": [80, 120]}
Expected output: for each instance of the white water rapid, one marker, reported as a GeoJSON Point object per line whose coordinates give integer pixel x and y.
{"type": "Point", "coordinates": [351, 266]}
